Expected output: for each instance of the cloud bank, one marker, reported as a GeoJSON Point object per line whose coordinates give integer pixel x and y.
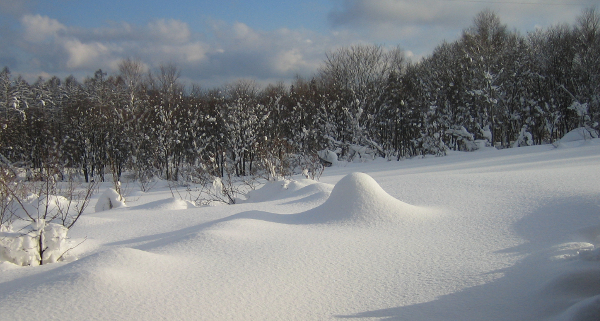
{"type": "Point", "coordinates": [226, 51]}
{"type": "Point", "coordinates": [421, 25]}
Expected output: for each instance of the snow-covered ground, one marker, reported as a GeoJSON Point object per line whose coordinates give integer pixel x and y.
{"type": "Point", "coordinates": [487, 235]}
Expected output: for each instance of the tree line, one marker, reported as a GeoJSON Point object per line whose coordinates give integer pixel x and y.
{"type": "Point", "coordinates": [492, 86]}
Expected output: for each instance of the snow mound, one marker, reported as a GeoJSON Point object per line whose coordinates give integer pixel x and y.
{"type": "Point", "coordinates": [166, 205]}
{"type": "Point", "coordinates": [313, 194]}
{"type": "Point", "coordinates": [579, 134]}
{"type": "Point", "coordinates": [34, 205]}
{"type": "Point", "coordinates": [273, 190]}
{"type": "Point", "coordinates": [121, 258]}
{"type": "Point", "coordinates": [287, 189]}
{"type": "Point", "coordinates": [108, 200]}
{"type": "Point", "coordinates": [301, 184]}
{"type": "Point", "coordinates": [310, 189]}
{"type": "Point", "coordinates": [358, 199]}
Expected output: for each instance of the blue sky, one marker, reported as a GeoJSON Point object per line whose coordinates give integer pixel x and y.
{"type": "Point", "coordinates": [216, 42]}
{"type": "Point", "coordinates": [266, 15]}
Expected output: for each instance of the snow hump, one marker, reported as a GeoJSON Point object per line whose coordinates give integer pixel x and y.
{"type": "Point", "coordinates": [166, 205]}
{"type": "Point", "coordinates": [579, 134]}
{"type": "Point", "coordinates": [358, 199]}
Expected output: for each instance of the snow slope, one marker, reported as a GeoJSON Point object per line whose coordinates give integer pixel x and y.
{"type": "Point", "coordinates": [490, 235]}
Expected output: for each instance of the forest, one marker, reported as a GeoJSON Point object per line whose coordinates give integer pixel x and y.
{"type": "Point", "coordinates": [490, 87]}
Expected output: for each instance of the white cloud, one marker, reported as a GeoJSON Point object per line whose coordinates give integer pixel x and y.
{"type": "Point", "coordinates": [86, 54]}
{"type": "Point", "coordinates": [118, 31]}
{"type": "Point", "coordinates": [179, 54]}
{"type": "Point", "coordinates": [290, 60]}
{"type": "Point", "coordinates": [170, 30]}
{"type": "Point", "coordinates": [243, 31]}
{"type": "Point", "coordinates": [239, 51]}
{"type": "Point", "coordinates": [238, 32]}
{"type": "Point", "coordinates": [39, 28]}
{"type": "Point", "coordinates": [194, 52]}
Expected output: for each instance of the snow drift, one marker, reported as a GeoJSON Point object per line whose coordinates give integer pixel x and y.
{"type": "Point", "coordinates": [357, 199]}
{"type": "Point", "coordinates": [301, 190]}
{"type": "Point", "coordinates": [168, 204]}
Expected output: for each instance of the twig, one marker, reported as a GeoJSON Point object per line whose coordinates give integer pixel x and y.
{"type": "Point", "coordinates": [65, 252]}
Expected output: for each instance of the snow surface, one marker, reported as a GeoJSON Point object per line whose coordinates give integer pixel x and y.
{"type": "Point", "coordinates": [507, 234]}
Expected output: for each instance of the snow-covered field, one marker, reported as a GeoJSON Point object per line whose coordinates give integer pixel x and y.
{"type": "Point", "coordinates": [487, 235]}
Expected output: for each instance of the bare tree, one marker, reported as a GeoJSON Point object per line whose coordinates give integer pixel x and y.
{"type": "Point", "coordinates": [132, 73]}
{"type": "Point", "coordinates": [361, 67]}
{"type": "Point", "coordinates": [167, 81]}
{"type": "Point", "coordinates": [358, 76]}
{"type": "Point", "coordinates": [588, 26]}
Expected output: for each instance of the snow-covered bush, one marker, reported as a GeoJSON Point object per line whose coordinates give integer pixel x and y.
{"type": "Point", "coordinates": [228, 189]}
{"type": "Point", "coordinates": [276, 159]}
{"type": "Point", "coordinates": [328, 156]}
{"type": "Point", "coordinates": [211, 188]}
{"type": "Point", "coordinates": [525, 138]}
{"type": "Point", "coordinates": [461, 139]}
{"type": "Point", "coordinates": [487, 133]}
{"type": "Point", "coordinates": [357, 153]}
{"type": "Point", "coordinates": [6, 208]}
{"type": "Point", "coordinates": [310, 166]}
{"type": "Point", "coordinates": [49, 207]}
{"type": "Point", "coordinates": [39, 243]}
{"type": "Point", "coordinates": [432, 145]}
{"type": "Point", "coordinates": [108, 200]}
